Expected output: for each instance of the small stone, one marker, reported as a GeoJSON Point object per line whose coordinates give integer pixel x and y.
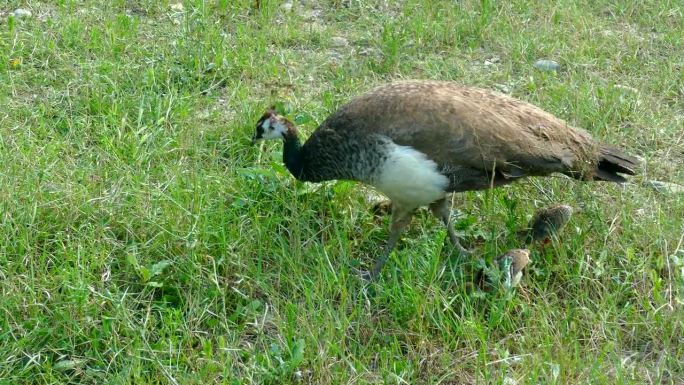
{"type": "Point", "coordinates": [287, 7]}
{"type": "Point", "coordinates": [503, 88]}
{"type": "Point", "coordinates": [66, 365]}
{"type": "Point", "coordinates": [177, 7]}
{"type": "Point", "coordinates": [373, 197]}
{"type": "Point", "coordinates": [510, 381]}
{"type": "Point", "coordinates": [21, 13]}
{"type": "Point", "coordinates": [546, 65]}
{"type": "Point", "coordinates": [666, 187]}
{"type": "Point", "coordinates": [211, 67]}
{"type": "Point", "coordinates": [335, 57]}
{"type": "Point", "coordinates": [492, 61]}
{"type": "Point", "coordinates": [369, 51]}
{"type": "Point", "coordinates": [627, 88]}
{"type": "Point", "coordinates": [338, 42]}
{"type": "Point", "coordinates": [312, 14]}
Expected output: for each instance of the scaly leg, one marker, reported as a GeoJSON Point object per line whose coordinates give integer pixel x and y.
{"type": "Point", "coordinates": [441, 210]}
{"type": "Point", "coordinates": [401, 217]}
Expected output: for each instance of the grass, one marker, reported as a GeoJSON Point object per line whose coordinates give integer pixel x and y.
{"type": "Point", "coordinates": [144, 241]}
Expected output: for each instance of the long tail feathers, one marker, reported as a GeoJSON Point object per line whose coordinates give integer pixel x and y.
{"type": "Point", "coordinates": [613, 162]}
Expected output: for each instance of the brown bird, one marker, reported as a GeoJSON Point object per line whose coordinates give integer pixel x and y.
{"type": "Point", "coordinates": [506, 271]}
{"type": "Point", "coordinates": [417, 141]}
{"type": "Point", "coordinates": [511, 265]}
{"type": "Point", "coordinates": [546, 224]}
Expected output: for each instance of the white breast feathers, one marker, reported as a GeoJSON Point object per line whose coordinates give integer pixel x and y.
{"type": "Point", "coordinates": [409, 177]}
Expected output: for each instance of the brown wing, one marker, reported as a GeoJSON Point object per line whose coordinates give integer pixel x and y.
{"type": "Point", "coordinates": [461, 127]}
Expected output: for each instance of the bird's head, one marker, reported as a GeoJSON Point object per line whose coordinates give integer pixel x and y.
{"type": "Point", "coordinates": [273, 126]}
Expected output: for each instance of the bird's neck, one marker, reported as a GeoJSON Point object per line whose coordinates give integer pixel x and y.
{"type": "Point", "coordinates": [293, 154]}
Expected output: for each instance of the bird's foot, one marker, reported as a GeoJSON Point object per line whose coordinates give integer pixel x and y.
{"type": "Point", "coordinates": [462, 251]}
{"type": "Point", "coordinates": [365, 275]}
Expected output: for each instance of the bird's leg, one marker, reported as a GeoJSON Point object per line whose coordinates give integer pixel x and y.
{"type": "Point", "coordinates": [401, 217]}
{"type": "Point", "coordinates": [441, 210]}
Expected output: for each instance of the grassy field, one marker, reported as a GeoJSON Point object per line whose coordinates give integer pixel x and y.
{"type": "Point", "coordinates": [144, 241]}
